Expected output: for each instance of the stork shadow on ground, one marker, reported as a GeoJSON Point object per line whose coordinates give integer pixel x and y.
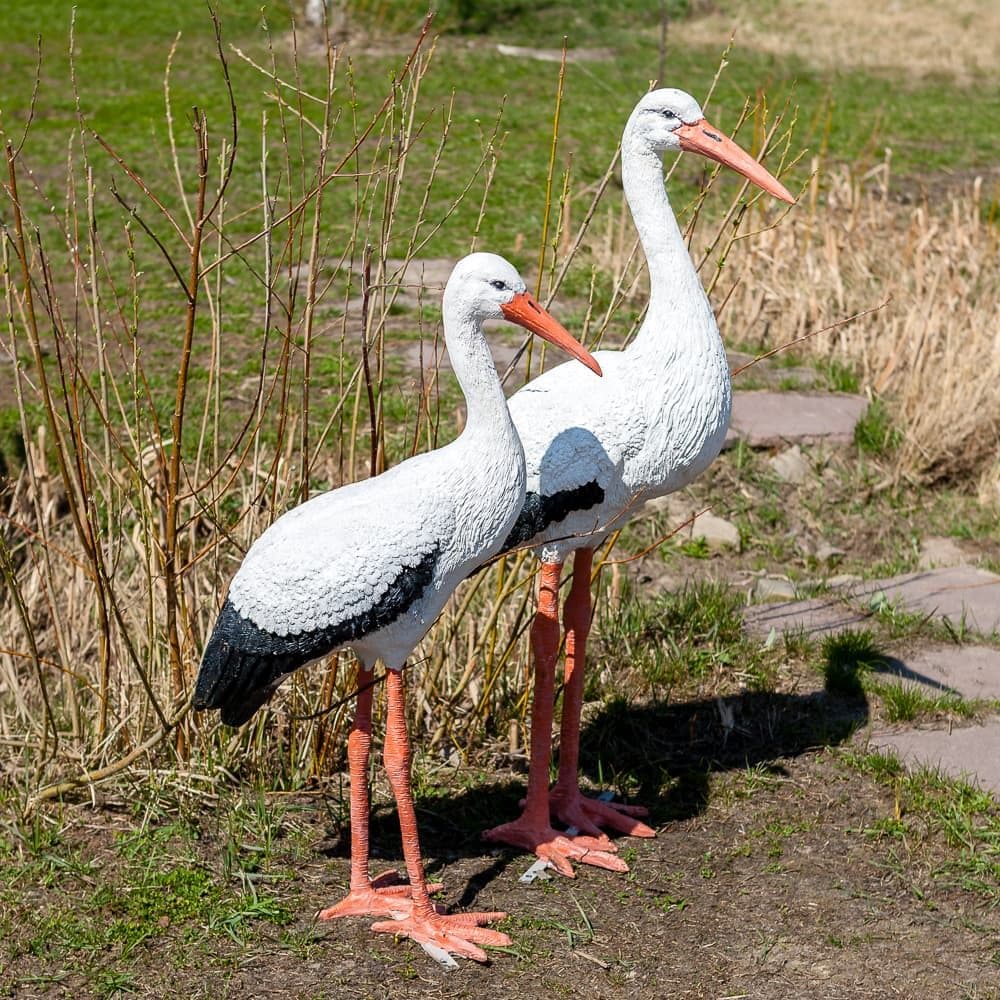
{"type": "Point", "coordinates": [663, 752]}
{"type": "Point", "coordinates": [666, 752]}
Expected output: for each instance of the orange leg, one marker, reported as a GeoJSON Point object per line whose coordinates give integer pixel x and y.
{"type": "Point", "coordinates": [533, 830]}
{"type": "Point", "coordinates": [460, 933]}
{"type": "Point", "coordinates": [569, 806]}
{"type": "Point", "coordinates": [382, 896]}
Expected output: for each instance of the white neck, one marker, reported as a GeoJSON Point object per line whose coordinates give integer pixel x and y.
{"type": "Point", "coordinates": [487, 416]}
{"type": "Point", "coordinates": [679, 313]}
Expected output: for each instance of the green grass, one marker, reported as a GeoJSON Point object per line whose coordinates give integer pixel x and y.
{"type": "Point", "coordinates": [908, 702]}
{"type": "Point", "coordinates": [874, 433]}
{"type": "Point", "coordinates": [117, 899]}
{"type": "Point", "coordinates": [931, 809]}
{"type": "Point", "coordinates": [676, 639]}
{"type": "Point", "coordinates": [122, 50]}
{"type": "Point", "coordinates": [841, 377]}
{"type": "Point", "coordinates": [846, 657]}
{"type": "Point", "coordinates": [849, 663]}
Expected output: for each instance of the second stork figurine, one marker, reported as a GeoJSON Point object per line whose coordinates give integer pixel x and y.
{"type": "Point", "coordinates": [370, 566]}
{"type": "Point", "coordinates": [597, 452]}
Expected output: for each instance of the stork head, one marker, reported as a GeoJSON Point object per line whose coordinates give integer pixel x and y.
{"type": "Point", "coordinates": [485, 286]}
{"type": "Point", "coordinates": [670, 120]}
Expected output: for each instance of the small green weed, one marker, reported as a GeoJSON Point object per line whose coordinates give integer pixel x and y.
{"type": "Point", "coordinates": [113, 984]}
{"type": "Point", "coordinates": [966, 817]}
{"type": "Point", "coordinates": [887, 827]}
{"type": "Point", "coordinates": [874, 433]}
{"type": "Point", "coordinates": [846, 656]}
{"type": "Point", "coordinates": [696, 548]}
{"type": "Point", "coordinates": [901, 702]}
{"type": "Point", "coordinates": [904, 702]}
{"type": "Point", "coordinates": [842, 378]}
{"type": "Point", "coordinates": [234, 919]}
{"type": "Point", "coordinates": [671, 904]}
{"type": "Point", "coordinates": [756, 778]}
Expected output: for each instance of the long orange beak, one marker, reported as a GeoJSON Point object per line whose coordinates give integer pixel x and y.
{"type": "Point", "coordinates": [709, 141]}
{"type": "Point", "coordinates": [525, 310]}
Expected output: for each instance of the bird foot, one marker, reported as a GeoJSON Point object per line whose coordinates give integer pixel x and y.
{"type": "Point", "coordinates": [557, 848]}
{"type": "Point", "coordinates": [386, 896]}
{"type": "Point", "coordinates": [457, 933]}
{"type": "Point", "coordinates": [587, 815]}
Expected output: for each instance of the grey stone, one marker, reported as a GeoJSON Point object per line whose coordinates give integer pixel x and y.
{"type": "Point", "coordinates": [791, 465]}
{"type": "Point", "coordinates": [815, 617]}
{"type": "Point", "coordinates": [945, 593]}
{"type": "Point", "coordinates": [829, 553]}
{"type": "Point", "coordinates": [677, 508]}
{"type": "Point", "coordinates": [843, 580]}
{"type": "Point", "coordinates": [717, 532]}
{"type": "Point", "coordinates": [971, 753]}
{"type": "Point", "coordinates": [770, 588]}
{"type": "Point", "coordinates": [773, 419]}
{"type": "Point", "coordinates": [937, 552]}
{"type": "Point", "coordinates": [970, 671]}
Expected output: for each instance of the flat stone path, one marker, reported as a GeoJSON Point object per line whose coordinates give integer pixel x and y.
{"type": "Point", "coordinates": [972, 671]}
{"type": "Point", "coordinates": [767, 419]}
{"type": "Point", "coordinates": [971, 753]}
{"type": "Point", "coordinates": [813, 618]}
{"type": "Point", "coordinates": [953, 592]}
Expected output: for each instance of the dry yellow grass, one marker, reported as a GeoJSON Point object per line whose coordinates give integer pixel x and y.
{"type": "Point", "coordinates": [919, 37]}
{"type": "Point", "coordinates": [932, 354]}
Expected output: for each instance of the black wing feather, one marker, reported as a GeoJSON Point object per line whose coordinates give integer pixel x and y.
{"type": "Point", "coordinates": [243, 664]}
{"type": "Point", "coordinates": [541, 510]}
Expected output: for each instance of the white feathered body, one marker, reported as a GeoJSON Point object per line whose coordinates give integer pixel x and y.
{"type": "Point", "coordinates": [333, 557]}
{"type": "Point", "coordinates": [370, 565]}
{"type": "Point", "coordinates": [639, 432]}
{"type": "Point", "coordinates": [658, 418]}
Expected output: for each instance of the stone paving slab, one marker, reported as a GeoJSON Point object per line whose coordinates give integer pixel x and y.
{"type": "Point", "coordinates": [971, 753]}
{"type": "Point", "coordinates": [555, 55]}
{"type": "Point", "coordinates": [773, 419]}
{"type": "Point", "coordinates": [944, 593]}
{"type": "Point", "coordinates": [970, 671]}
{"type": "Point", "coordinates": [815, 617]}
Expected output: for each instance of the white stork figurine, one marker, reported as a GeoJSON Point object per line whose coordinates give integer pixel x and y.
{"type": "Point", "coordinates": [597, 450]}
{"type": "Point", "coordinates": [370, 566]}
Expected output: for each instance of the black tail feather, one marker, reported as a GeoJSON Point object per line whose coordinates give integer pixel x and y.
{"type": "Point", "coordinates": [243, 665]}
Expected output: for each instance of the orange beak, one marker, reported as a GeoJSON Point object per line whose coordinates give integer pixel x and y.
{"type": "Point", "coordinates": [525, 310]}
{"type": "Point", "coordinates": [703, 138]}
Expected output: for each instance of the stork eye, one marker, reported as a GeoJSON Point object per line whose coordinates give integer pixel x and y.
{"type": "Point", "coordinates": [499, 285]}
{"type": "Point", "coordinates": [667, 113]}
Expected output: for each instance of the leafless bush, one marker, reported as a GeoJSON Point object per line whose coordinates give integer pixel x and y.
{"type": "Point", "coordinates": [934, 352]}
{"type": "Point", "coordinates": [138, 497]}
